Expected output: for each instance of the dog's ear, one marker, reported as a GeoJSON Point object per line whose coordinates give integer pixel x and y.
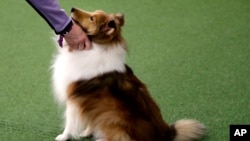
{"type": "Point", "coordinates": [113, 24]}
{"type": "Point", "coordinates": [119, 17]}
{"type": "Point", "coordinates": [110, 27]}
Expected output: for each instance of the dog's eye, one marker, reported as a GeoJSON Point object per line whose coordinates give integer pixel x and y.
{"type": "Point", "coordinates": [91, 18]}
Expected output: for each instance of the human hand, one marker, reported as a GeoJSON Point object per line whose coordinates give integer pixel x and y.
{"type": "Point", "coordinates": [77, 39]}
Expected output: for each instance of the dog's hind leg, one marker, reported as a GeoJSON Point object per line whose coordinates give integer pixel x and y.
{"type": "Point", "coordinates": [114, 135]}
{"type": "Point", "coordinates": [87, 132]}
{"type": "Point", "coordinates": [101, 140]}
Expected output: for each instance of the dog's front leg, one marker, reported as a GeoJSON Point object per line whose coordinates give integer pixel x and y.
{"type": "Point", "coordinates": [64, 136]}
{"type": "Point", "coordinates": [71, 123]}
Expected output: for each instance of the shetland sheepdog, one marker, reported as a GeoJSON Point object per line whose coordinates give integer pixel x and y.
{"type": "Point", "coordinates": [102, 96]}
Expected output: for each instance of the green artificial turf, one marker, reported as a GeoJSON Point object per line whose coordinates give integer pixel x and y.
{"type": "Point", "coordinates": [194, 56]}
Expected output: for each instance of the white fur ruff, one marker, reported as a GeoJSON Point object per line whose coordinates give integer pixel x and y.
{"type": "Point", "coordinates": [83, 65]}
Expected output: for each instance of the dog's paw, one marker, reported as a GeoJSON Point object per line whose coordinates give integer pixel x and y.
{"type": "Point", "coordinates": [62, 137]}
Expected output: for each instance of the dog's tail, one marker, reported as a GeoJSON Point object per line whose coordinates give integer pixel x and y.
{"type": "Point", "coordinates": [188, 130]}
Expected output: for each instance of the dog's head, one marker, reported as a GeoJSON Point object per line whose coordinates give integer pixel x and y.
{"type": "Point", "coordinates": [99, 26]}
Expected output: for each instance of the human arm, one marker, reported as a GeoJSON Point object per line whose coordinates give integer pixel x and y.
{"type": "Point", "coordinates": [61, 23]}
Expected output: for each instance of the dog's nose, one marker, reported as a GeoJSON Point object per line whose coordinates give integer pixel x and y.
{"type": "Point", "coordinates": [73, 9]}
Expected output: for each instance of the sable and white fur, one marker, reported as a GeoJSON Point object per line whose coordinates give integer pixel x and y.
{"type": "Point", "coordinates": [101, 94]}
{"type": "Point", "coordinates": [83, 65]}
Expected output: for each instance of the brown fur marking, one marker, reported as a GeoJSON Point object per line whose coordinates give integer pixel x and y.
{"type": "Point", "coordinates": [120, 101]}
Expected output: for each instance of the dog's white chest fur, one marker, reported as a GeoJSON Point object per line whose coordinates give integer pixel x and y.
{"type": "Point", "coordinates": [83, 65]}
